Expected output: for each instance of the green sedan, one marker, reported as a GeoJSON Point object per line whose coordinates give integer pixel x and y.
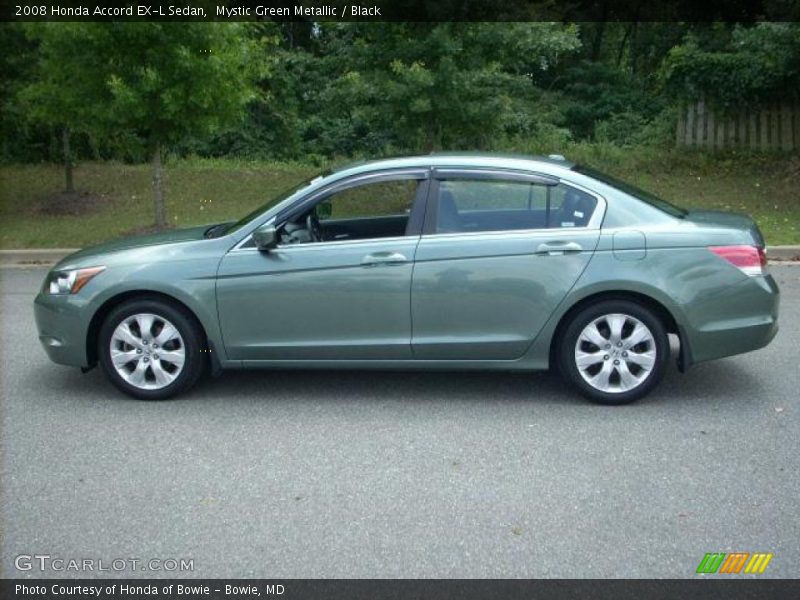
{"type": "Point", "coordinates": [432, 262]}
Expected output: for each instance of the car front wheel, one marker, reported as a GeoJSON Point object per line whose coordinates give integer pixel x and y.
{"type": "Point", "coordinates": [151, 349]}
{"type": "Point", "coordinates": [614, 351]}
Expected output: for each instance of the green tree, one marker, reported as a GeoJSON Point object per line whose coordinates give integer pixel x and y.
{"type": "Point", "coordinates": [423, 86]}
{"type": "Point", "coordinates": [153, 83]}
{"type": "Point", "coordinates": [67, 90]}
{"type": "Point", "coordinates": [747, 66]}
{"type": "Point", "coordinates": [17, 70]}
{"type": "Point", "coordinates": [172, 81]}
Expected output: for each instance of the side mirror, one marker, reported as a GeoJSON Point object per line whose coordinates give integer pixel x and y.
{"type": "Point", "coordinates": [324, 210]}
{"type": "Point", "coordinates": [265, 237]}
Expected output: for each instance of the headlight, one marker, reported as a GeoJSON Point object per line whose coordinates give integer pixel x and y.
{"type": "Point", "coordinates": [70, 282]}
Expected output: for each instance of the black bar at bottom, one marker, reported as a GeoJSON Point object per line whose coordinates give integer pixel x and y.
{"type": "Point", "coordinates": [399, 589]}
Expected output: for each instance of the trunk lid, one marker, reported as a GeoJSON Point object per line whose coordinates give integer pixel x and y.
{"type": "Point", "coordinates": [727, 220]}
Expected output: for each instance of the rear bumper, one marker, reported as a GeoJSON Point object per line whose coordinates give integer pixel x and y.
{"type": "Point", "coordinates": [62, 332]}
{"type": "Point", "coordinates": [740, 319]}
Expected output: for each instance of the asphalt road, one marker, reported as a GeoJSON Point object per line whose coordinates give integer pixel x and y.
{"type": "Point", "coordinates": [352, 474]}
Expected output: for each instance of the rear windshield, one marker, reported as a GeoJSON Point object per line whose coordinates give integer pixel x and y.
{"type": "Point", "coordinates": [632, 190]}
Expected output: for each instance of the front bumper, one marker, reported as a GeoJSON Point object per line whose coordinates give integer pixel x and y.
{"type": "Point", "coordinates": [62, 330]}
{"type": "Point", "coordinates": [741, 319]}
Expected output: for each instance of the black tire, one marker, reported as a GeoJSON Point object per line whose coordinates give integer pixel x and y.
{"type": "Point", "coordinates": [192, 337]}
{"type": "Point", "coordinates": [566, 350]}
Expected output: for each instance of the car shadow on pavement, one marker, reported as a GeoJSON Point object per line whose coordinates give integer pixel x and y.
{"type": "Point", "coordinates": [723, 380]}
{"type": "Point", "coordinates": [720, 380]}
{"type": "Point", "coordinates": [401, 386]}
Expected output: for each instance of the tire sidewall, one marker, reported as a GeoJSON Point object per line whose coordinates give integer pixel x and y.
{"type": "Point", "coordinates": [566, 353]}
{"type": "Point", "coordinates": [183, 322]}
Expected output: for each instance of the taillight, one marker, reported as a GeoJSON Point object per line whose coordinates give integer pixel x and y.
{"type": "Point", "coordinates": [751, 260]}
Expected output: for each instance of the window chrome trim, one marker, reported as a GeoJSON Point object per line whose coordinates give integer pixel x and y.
{"type": "Point", "coordinates": [493, 174]}
{"type": "Point", "coordinates": [314, 245]}
{"type": "Point", "coordinates": [594, 224]}
{"type": "Point", "coordinates": [499, 233]}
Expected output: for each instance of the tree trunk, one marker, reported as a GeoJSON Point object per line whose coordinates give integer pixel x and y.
{"type": "Point", "coordinates": [597, 40]}
{"type": "Point", "coordinates": [634, 48]}
{"type": "Point", "coordinates": [69, 186]}
{"type": "Point", "coordinates": [158, 189]}
{"type": "Point", "coordinates": [621, 51]}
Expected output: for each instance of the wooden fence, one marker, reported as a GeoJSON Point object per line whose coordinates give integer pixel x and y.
{"type": "Point", "coordinates": [776, 127]}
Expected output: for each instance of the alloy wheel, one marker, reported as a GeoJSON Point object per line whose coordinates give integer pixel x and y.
{"type": "Point", "coordinates": [147, 351]}
{"type": "Point", "coordinates": [615, 353]}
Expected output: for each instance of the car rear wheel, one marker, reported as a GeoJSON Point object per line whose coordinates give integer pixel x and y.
{"type": "Point", "coordinates": [614, 351]}
{"type": "Point", "coordinates": [151, 349]}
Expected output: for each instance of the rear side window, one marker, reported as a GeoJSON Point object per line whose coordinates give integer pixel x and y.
{"type": "Point", "coordinates": [570, 207]}
{"type": "Point", "coordinates": [469, 205]}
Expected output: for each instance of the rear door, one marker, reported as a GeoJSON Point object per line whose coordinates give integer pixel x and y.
{"type": "Point", "coordinates": [499, 252]}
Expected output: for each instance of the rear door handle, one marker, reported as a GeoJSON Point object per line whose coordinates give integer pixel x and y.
{"type": "Point", "coordinates": [383, 258]}
{"type": "Point", "coordinates": [556, 248]}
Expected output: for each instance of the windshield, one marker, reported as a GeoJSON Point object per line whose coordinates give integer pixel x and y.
{"type": "Point", "coordinates": [272, 202]}
{"type": "Point", "coordinates": [634, 191]}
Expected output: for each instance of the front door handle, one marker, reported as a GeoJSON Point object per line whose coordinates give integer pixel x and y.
{"type": "Point", "coordinates": [383, 258]}
{"type": "Point", "coordinates": [556, 248]}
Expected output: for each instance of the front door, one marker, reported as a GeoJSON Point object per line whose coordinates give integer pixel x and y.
{"type": "Point", "coordinates": [337, 287]}
{"type": "Point", "coordinates": [499, 253]}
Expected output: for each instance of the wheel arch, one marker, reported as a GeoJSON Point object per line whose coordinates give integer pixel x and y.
{"type": "Point", "coordinates": [111, 303]}
{"type": "Point", "coordinates": [663, 313]}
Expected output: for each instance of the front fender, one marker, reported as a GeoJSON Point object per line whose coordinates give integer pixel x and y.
{"type": "Point", "coordinates": [190, 280]}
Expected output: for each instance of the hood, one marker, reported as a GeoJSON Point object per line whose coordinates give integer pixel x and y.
{"type": "Point", "coordinates": [139, 241]}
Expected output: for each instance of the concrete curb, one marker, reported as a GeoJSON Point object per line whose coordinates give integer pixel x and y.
{"type": "Point", "coordinates": [35, 257]}
{"type": "Point", "coordinates": [783, 252]}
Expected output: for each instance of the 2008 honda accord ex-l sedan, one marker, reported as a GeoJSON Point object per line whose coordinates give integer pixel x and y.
{"type": "Point", "coordinates": [431, 262]}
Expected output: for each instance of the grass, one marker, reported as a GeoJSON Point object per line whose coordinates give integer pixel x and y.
{"type": "Point", "coordinates": [197, 192]}
{"type": "Point", "coordinates": [118, 197]}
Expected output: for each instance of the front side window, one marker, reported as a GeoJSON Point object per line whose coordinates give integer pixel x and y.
{"type": "Point", "coordinates": [365, 211]}
{"type": "Point", "coordinates": [285, 195]}
{"type": "Point", "coordinates": [494, 205]}
{"type": "Point", "coordinates": [376, 200]}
